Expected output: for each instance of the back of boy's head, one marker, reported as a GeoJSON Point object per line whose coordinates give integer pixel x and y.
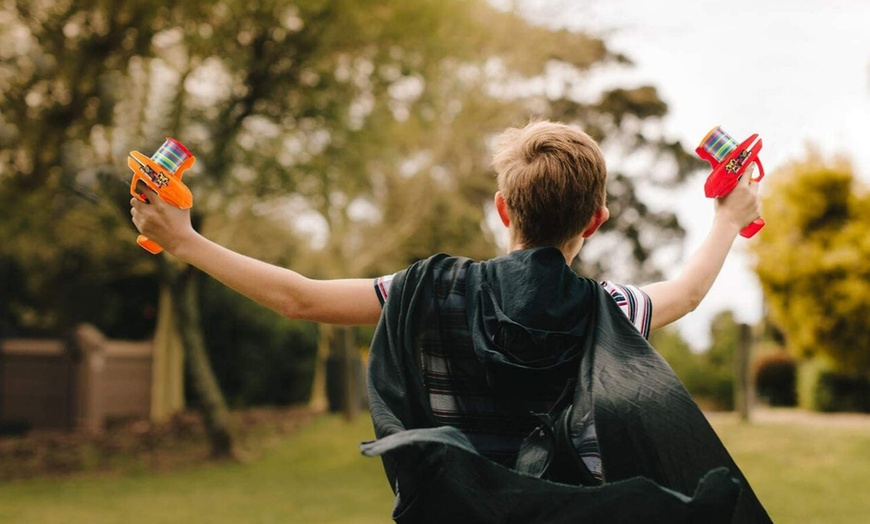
{"type": "Point", "coordinates": [553, 179]}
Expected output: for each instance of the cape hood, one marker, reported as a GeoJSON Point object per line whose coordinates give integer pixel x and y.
{"type": "Point", "coordinates": [531, 319]}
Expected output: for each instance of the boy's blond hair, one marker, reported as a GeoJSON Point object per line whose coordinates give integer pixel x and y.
{"type": "Point", "coordinates": [553, 179]}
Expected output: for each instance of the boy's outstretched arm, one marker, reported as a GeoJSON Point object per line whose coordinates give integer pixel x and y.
{"type": "Point", "coordinates": [343, 301]}
{"type": "Point", "coordinates": [672, 299]}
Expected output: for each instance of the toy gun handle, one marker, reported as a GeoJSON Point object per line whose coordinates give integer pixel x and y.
{"type": "Point", "coordinates": [149, 245]}
{"type": "Point", "coordinates": [753, 228]}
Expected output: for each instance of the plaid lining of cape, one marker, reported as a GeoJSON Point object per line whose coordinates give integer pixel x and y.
{"type": "Point", "coordinates": [456, 382]}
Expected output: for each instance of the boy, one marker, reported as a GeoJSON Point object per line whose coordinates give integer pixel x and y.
{"type": "Point", "coordinates": [487, 347]}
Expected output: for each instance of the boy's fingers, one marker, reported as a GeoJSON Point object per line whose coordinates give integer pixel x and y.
{"type": "Point", "coordinates": [149, 195]}
{"type": "Point", "coordinates": [746, 179]}
{"type": "Point", "coordinates": [136, 203]}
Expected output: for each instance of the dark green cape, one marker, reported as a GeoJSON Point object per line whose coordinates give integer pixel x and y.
{"type": "Point", "coordinates": [662, 460]}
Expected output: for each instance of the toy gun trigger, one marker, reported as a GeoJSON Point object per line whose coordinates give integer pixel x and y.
{"type": "Point", "coordinates": [760, 171]}
{"type": "Point", "coordinates": [138, 184]}
{"type": "Point", "coordinates": [752, 147]}
{"type": "Point", "coordinates": [137, 189]}
{"type": "Point", "coordinates": [753, 155]}
{"type": "Point", "coordinates": [135, 185]}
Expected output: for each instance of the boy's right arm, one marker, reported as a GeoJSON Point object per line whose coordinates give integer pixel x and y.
{"type": "Point", "coordinates": [673, 299]}
{"type": "Point", "coordinates": [343, 301]}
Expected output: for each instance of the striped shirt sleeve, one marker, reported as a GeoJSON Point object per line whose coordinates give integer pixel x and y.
{"type": "Point", "coordinates": [382, 287]}
{"type": "Point", "coordinates": [636, 304]}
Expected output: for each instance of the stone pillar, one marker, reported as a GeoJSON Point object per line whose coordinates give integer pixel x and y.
{"type": "Point", "coordinates": [90, 344]}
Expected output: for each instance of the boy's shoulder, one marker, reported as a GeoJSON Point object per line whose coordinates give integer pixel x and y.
{"type": "Point", "coordinates": [441, 266]}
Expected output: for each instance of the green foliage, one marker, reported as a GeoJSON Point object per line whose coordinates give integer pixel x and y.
{"type": "Point", "coordinates": [708, 375]}
{"type": "Point", "coordinates": [821, 386]}
{"type": "Point", "coordinates": [690, 367]}
{"type": "Point", "coordinates": [841, 392]}
{"type": "Point", "coordinates": [120, 305]}
{"type": "Point", "coordinates": [383, 106]}
{"type": "Point", "coordinates": [719, 360]}
{"type": "Point", "coordinates": [812, 261]}
{"type": "Point", "coordinates": [258, 357]}
{"type": "Point", "coordinates": [57, 70]}
{"type": "Point", "coordinates": [677, 352]}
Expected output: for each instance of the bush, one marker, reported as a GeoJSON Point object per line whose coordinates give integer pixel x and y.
{"type": "Point", "coordinates": [839, 392]}
{"type": "Point", "coordinates": [258, 356]}
{"type": "Point", "coordinates": [776, 379]}
{"type": "Point", "coordinates": [708, 376]}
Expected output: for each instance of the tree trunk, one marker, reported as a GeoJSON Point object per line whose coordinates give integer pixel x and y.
{"type": "Point", "coordinates": [185, 307]}
{"type": "Point", "coordinates": [742, 373]}
{"type": "Point", "coordinates": [349, 357]}
{"type": "Point", "coordinates": [336, 385]}
{"type": "Point", "coordinates": [167, 382]}
{"type": "Point", "coordinates": [317, 401]}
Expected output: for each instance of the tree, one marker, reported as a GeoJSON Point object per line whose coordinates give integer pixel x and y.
{"type": "Point", "coordinates": [57, 67]}
{"type": "Point", "coordinates": [62, 86]}
{"type": "Point", "coordinates": [811, 259]}
{"type": "Point", "coordinates": [370, 119]}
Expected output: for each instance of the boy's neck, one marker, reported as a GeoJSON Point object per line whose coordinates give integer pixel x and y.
{"type": "Point", "coordinates": [569, 250]}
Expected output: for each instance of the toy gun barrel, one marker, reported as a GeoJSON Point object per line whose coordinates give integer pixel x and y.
{"type": "Point", "coordinates": [729, 161]}
{"type": "Point", "coordinates": [162, 173]}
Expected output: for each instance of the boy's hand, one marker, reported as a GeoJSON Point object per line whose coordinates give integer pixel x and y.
{"type": "Point", "coordinates": [161, 222]}
{"type": "Point", "coordinates": [741, 206]}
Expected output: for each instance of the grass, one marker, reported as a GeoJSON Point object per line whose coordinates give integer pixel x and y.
{"type": "Point", "coordinates": [803, 471]}
{"type": "Point", "coordinates": [808, 470]}
{"type": "Point", "coordinates": [315, 476]}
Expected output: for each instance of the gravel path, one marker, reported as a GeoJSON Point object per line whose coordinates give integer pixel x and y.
{"type": "Point", "coordinates": [765, 415]}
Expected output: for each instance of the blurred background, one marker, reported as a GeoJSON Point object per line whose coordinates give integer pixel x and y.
{"type": "Point", "coordinates": [350, 138]}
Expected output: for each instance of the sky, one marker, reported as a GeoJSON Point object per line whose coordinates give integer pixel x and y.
{"type": "Point", "coordinates": [796, 72]}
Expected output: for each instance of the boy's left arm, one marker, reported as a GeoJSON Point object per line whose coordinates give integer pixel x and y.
{"type": "Point", "coordinates": [352, 301]}
{"type": "Point", "coordinates": [673, 299]}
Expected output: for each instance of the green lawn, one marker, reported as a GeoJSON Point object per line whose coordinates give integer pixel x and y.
{"type": "Point", "coordinates": [317, 475]}
{"type": "Point", "coordinates": [810, 470]}
{"type": "Point", "coordinates": [802, 471]}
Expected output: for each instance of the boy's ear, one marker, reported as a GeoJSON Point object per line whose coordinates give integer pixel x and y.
{"type": "Point", "coordinates": [599, 218]}
{"type": "Point", "coordinates": [501, 207]}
